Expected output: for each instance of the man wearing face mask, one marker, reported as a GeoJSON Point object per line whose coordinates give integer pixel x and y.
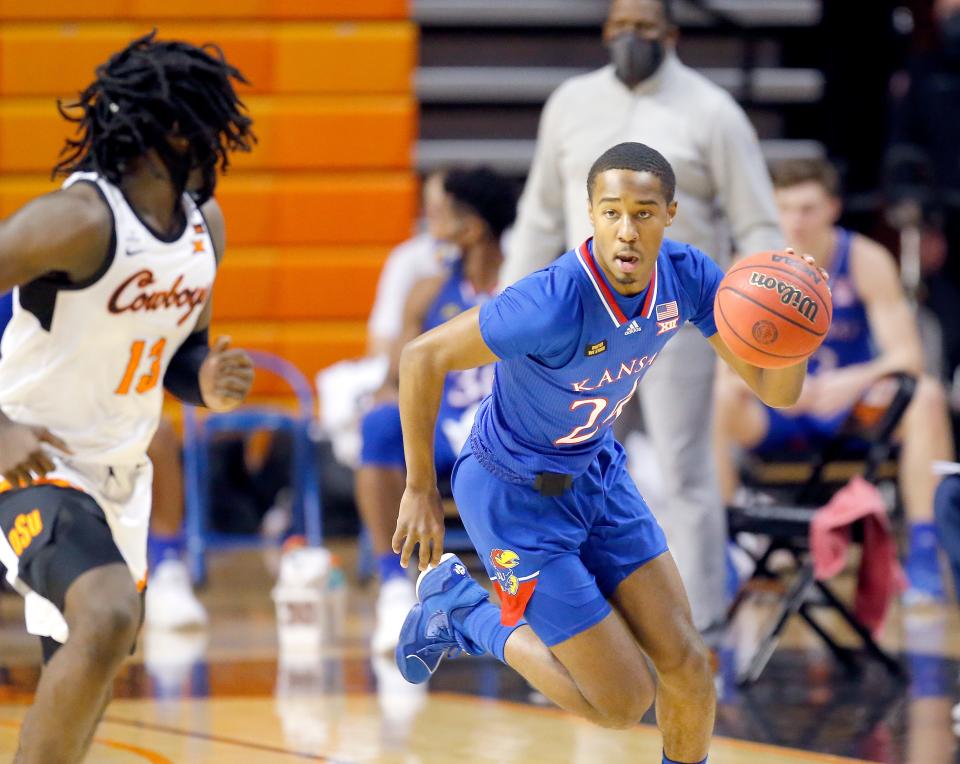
{"type": "Point", "coordinates": [477, 206]}
{"type": "Point", "coordinates": [648, 95]}
{"type": "Point", "coordinates": [924, 136]}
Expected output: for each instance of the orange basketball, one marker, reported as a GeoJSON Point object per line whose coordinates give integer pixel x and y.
{"type": "Point", "coordinates": [773, 309]}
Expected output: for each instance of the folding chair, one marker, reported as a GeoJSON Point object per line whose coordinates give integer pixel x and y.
{"type": "Point", "coordinates": [787, 525]}
{"type": "Point", "coordinates": [198, 432]}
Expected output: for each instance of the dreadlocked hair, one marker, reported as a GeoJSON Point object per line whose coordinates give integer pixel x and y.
{"type": "Point", "coordinates": [148, 91]}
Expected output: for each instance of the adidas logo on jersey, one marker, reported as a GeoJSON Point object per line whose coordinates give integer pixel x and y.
{"type": "Point", "coordinates": [632, 329]}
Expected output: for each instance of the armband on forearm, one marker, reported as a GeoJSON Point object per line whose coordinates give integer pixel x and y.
{"type": "Point", "coordinates": [183, 374]}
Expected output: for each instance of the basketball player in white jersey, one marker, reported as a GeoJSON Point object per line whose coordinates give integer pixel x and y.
{"type": "Point", "coordinates": [113, 277]}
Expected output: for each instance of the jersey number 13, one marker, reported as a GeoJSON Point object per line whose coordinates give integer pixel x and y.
{"type": "Point", "coordinates": [149, 380]}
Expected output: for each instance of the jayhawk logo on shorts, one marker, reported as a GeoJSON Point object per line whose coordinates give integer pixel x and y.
{"type": "Point", "coordinates": [503, 561]}
{"type": "Point", "coordinates": [515, 591]}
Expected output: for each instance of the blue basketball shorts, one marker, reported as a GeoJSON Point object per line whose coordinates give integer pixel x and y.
{"type": "Point", "coordinates": [383, 441]}
{"type": "Point", "coordinates": [555, 560]}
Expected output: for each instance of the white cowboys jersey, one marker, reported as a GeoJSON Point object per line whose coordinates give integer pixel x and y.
{"type": "Point", "coordinates": [87, 361]}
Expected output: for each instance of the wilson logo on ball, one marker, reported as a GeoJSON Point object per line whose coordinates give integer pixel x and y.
{"type": "Point", "coordinates": [789, 294]}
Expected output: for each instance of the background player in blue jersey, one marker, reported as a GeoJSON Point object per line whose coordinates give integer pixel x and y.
{"type": "Point", "coordinates": [477, 206]}
{"type": "Point", "coordinates": [542, 486]}
{"type": "Point", "coordinates": [873, 334]}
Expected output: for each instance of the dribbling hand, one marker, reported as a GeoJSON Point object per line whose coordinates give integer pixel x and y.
{"type": "Point", "coordinates": [22, 459]}
{"type": "Point", "coordinates": [226, 376]}
{"type": "Point", "coordinates": [420, 522]}
{"type": "Point", "coordinates": [809, 260]}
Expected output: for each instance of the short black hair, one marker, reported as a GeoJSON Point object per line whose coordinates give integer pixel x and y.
{"type": "Point", "coordinates": [485, 193]}
{"type": "Point", "coordinates": [639, 158]}
{"type": "Point", "coordinates": [149, 90]}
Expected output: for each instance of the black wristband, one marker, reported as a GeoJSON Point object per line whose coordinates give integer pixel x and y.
{"type": "Point", "coordinates": [183, 374]}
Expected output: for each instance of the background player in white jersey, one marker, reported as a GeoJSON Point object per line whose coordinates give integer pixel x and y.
{"type": "Point", "coordinates": [113, 275]}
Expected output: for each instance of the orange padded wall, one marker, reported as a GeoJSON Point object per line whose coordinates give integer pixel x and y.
{"type": "Point", "coordinates": [313, 211]}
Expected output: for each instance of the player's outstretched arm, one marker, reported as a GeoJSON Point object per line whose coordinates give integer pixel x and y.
{"type": "Point", "coordinates": [778, 388]}
{"type": "Point", "coordinates": [424, 364]}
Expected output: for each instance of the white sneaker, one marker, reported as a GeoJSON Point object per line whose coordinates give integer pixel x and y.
{"type": "Point", "coordinates": [397, 596]}
{"type": "Point", "coordinates": [170, 601]}
{"type": "Point", "coordinates": [304, 567]}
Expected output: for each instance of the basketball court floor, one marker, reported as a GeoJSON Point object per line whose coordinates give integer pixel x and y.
{"type": "Point", "coordinates": [246, 691]}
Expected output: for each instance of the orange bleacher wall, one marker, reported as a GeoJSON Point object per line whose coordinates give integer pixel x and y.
{"type": "Point", "coordinates": [313, 211]}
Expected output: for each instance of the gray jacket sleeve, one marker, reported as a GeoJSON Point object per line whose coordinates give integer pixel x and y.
{"type": "Point", "coordinates": [539, 233]}
{"type": "Point", "coordinates": [744, 190]}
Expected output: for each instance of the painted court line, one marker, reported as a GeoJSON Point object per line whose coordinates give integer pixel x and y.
{"type": "Point", "coordinates": [164, 729]}
{"type": "Point", "coordinates": [146, 754]}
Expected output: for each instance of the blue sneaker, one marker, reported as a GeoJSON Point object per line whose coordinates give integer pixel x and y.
{"type": "Point", "coordinates": [428, 634]}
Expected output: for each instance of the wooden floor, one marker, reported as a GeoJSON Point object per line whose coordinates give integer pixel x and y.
{"type": "Point", "coordinates": [242, 692]}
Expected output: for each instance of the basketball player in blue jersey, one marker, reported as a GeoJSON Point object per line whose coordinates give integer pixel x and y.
{"type": "Point", "coordinates": [873, 334]}
{"type": "Point", "coordinates": [588, 589]}
{"type": "Point", "coordinates": [113, 276]}
{"type": "Point", "coordinates": [477, 206]}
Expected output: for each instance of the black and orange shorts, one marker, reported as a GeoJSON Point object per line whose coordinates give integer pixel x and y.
{"type": "Point", "coordinates": [58, 533]}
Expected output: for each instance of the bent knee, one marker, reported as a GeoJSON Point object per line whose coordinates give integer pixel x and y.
{"type": "Point", "coordinates": [108, 628]}
{"type": "Point", "coordinates": [689, 661]}
{"type": "Point", "coordinates": [625, 714]}
{"type": "Point", "coordinates": [625, 707]}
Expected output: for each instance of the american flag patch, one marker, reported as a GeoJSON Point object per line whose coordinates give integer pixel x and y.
{"type": "Point", "coordinates": [667, 310]}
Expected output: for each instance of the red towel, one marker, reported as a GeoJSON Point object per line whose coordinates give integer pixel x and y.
{"type": "Point", "coordinates": [880, 577]}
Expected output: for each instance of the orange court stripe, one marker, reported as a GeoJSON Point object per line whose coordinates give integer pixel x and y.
{"type": "Point", "coordinates": [145, 753]}
{"type": "Point", "coordinates": [214, 738]}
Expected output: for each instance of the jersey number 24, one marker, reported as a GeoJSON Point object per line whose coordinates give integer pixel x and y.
{"type": "Point", "coordinates": [590, 428]}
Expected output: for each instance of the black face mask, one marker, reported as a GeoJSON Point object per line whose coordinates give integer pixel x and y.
{"type": "Point", "coordinates": [951, 36]}
{"type": "Point", "coordinates": [635, 58]}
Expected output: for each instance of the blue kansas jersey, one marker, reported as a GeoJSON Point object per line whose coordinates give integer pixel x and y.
{"type": "Point", "coordinates": [380, 428]}
{"type": "Point", "coordinates": [849, 340]}
{"type": "Point", "coordinates": [573, 351]}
